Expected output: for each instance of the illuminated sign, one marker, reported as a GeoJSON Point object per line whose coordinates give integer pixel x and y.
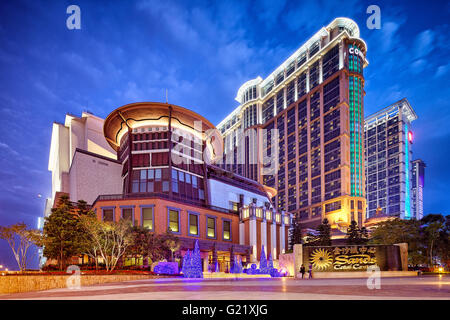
{"type": "Point", "coordinates": [357, 52]}
{"type": "Point", "coordinates": [410, 136]}
{"type": "Point", "coordinates": [343, 258]}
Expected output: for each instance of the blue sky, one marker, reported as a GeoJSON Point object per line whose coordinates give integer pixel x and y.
{"type": "Point", "coordinates": [201, 51]}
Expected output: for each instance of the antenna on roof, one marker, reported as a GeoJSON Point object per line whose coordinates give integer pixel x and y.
{"type": "Point", "coordinates": [167, 96]}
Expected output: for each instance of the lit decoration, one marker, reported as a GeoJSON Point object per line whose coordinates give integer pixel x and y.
{"type": "Point", "coordinates": [216, 267]}
{"type": "Point", "coordinates": [263, 262]}
{"type": "Point", "coordinates": [237, 265]}
{"type": "Point", "coordinates": [321, 259]}
{"type": "Point", "coordinates": [192, 263]}
{"type": "Point", "coordinates": [166, 268]}
{"type": "Point", "coordinates": [410, 136]}
{"type": "Point", "coordinates": [270, 261]}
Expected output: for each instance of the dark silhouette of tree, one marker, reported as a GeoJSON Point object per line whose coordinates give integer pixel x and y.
{"type": "Point", "coordinates": [295, 233]}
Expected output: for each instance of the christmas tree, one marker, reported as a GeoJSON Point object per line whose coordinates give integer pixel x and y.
{"type": "Point", "coordinates": [270, 262]}
{"type": "Point", "coordinates": [186, 263]}
{"type": "Point", "coordinates": [263, 262]}
{"type": "Point", "coordinates": [192, 263]}
{"type": "Point", "coordinates": [197, 270]}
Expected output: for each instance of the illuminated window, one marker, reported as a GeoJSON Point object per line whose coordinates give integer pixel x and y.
{"type": "Point", "coordinates": [211, 227]}
{"type": "Point", "coordinates": [174, 220]}
{"type": "Point", "coordinates": [193, 224]}
{"type": "Point", "coordinates": [147, 218]}
{"type": "Point", "coordinates": [226, 230]}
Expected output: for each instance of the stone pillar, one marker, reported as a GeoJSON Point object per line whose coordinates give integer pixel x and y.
{"type": "Point", "coordinates": [298, 259]}
{"type": "Point", "coordinates": [264, 232]}
{"type": "Point", "coordinates": [273, 235]}
{"type": "Point", "coordinates": [252, 237]}
{"type": "Point", "coordinates": [282, 234]}
{"type": "Point", "coordinates": [241, 233]}
{"type": "Point", "coordinates": [205, 263]}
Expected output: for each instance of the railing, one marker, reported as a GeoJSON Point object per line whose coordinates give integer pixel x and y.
{"type": "Point", "coordinates": [153, 195]}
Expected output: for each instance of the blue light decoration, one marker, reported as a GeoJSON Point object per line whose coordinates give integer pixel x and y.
{"type": "Point", "coordinates": [263, 262]}
{"type": "Point", "coordinates": [270, 261]}
{"type": "Point", "coordinates": [237, 266]}
{"type": "Point", "coordinates": [192, 263]}
{"type": "Point", "coordinates": [216, 267]}
{"type": "Point", "coordinates": [166, 268]}
{"type": "Point", "coordinates": [274, 273]}
{"type": "Point", "coordinates": [265, 267]}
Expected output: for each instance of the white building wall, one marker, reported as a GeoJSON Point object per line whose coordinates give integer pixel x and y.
{"type": "Point", "coordinates": [221, 194]}
{"type": "Point", "coordinates": [85, 133]}
{"type": "Point", "coordinates": [91, 176]}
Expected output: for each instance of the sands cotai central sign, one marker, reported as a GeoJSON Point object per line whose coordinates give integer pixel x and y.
{"type": "Point", "coordinates": [342, 258]}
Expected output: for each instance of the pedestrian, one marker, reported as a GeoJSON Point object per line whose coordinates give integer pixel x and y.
{"type": "Point", "coordinates": [302, 271]}
{"type": "Point", "coordinates": [310, 271]}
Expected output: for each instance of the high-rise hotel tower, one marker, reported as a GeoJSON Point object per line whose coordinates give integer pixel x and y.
{"type": "Point", "coordinates": [300, 130]}
{"type": "Point", "coordinates": [388, 161]}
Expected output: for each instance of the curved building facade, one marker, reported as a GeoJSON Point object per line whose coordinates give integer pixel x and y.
{"type": "Point", "coordinates": [300, 130]}
{"type": "Point", "coordinates": [164, 179]}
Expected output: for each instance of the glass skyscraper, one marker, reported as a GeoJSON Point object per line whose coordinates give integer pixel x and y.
{"type": "Point", "coordinates": [388, 161]}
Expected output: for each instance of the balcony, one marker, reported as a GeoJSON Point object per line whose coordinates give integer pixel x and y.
{"type": "Point", "coordinates": [264, 214]}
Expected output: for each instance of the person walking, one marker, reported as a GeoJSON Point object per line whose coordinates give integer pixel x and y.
{"type": "Point", "coordinates": [310, 271]}
{"type": "Point", "coordinates": [302, 271]}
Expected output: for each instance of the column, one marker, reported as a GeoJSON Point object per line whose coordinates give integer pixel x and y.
{"type": "Point", "coordinates": [241, 233]}
{"type": "Point", "coordinates": [252, 237]}
{"type": "Point", "coordinates": [307, 79]}
{"type": "Point", "coordinates": [273, 235]}
{"type": "Point", "coordinates": [320, 71]}
{"type": "Point", "coordinates": [264, 233]}
{"type": "Point", "coordinates": [341, 54]}
{"type": "Point", "coordinates": [282, 234]}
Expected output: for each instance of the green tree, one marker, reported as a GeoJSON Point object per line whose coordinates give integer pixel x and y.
{"type": "Point", "coordinates": [353, 234]}
{"type": "Point", "coordinates": [434, 234]}
{"type": "Point", "coordinates": [170, 243]}
{"type": "Point", "coordinates": [401, 231]}
{"type": "Point", "coordinates": [88, 246]}
{"type": "Point", "coordinates": [110, 239]}
{"type": "Point", "coordinates": [356, 235]}
{"type": "Point", "coordinates": [321, 236]}
{"type": "Point", "coordinates": [295, 233]}
{"type": "Point", "coordinates": [63, 234]}
{"type": "Point", "coordinates": [20, 239]}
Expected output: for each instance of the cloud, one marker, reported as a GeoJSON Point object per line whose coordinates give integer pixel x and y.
{"type": "Point", "coordinates": [442, 70]}
{"type": "Point", "coordinates": [418, 66]}
{"type": "Point", "coordinates": [8, 148]}
{"type": "Point", "coordinates": [424, 43]}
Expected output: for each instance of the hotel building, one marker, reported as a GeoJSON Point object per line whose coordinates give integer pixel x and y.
{"type": "Point", "coordinates": [388, 155]}
{"type": "Point", "coordinates": [151, 164]}
{"type": "Point", "coordinates": [300, 130]}
{"type": "Point", "coordinates": [417, 185]}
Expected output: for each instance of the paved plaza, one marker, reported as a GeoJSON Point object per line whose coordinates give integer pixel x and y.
{"type": "Point", "coordinates": [425, 287]}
